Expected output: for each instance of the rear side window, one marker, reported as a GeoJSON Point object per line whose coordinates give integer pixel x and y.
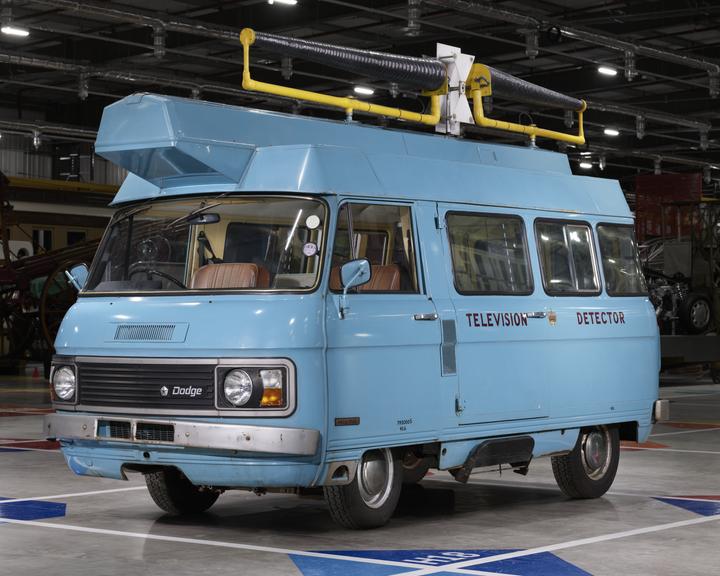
{"type": "Point", "coordinates": [623, 274]}
{"type": "Point", "coordinates": [489, 254]}
{"type": "Point", "coordinates": [567, 258]}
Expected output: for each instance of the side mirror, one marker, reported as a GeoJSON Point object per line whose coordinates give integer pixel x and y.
{"type": "Point", "coordinates": [77, 275]}
{"type": "Point", "coordinates": [352, 274]}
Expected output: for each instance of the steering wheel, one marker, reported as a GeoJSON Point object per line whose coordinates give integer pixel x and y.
{"type": "Point", "coordinates": [139, 267]}
{"type": "Point", "coordinates": [153, 248]}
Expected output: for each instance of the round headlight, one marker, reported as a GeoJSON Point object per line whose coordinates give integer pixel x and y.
{"type": "Point", "coordinates": [238, 387]}
{"type": "Point", "coordinates": [64, 382]}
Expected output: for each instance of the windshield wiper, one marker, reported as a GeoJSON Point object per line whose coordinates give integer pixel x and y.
{"type": "Point", "coordinates": [132, 211]}
{"type": "Point", "coordinates": [199, 210]}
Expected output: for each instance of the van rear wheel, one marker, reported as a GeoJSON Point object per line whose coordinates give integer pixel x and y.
{"type": "Point", "coordinates": [589, 470]}
{"type": "Point", "coordinates": [174, 493]}
{"type": "Point", "coordinates": [371, 498]}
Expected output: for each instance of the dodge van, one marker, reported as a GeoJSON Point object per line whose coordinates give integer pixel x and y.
{"type": "Point", "coordinates": [284, 303]}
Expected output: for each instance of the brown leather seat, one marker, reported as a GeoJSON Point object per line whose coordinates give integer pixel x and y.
{"type": "Point", "coordinates": [228, 275]}
{"type": "Point", "coordinates": [382, 279]}
{"type": "Point", "coordinates": [263, 278]}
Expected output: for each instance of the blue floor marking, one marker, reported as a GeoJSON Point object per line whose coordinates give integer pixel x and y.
{"type": "Point", "coordinates": [31, 510]}
{"type": "Point", "coordinates": [542, 564]}
{"type": "Point", "coordinates": [704, 508]}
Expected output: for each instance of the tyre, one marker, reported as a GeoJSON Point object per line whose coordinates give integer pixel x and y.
{"type": "Point", "coordinates": [695, 313]}
{"type": "Point", "coordinates": [371, 498]}
{"type": "Point", "coordinates": [414, 469]}
{"type": "Point", "coordinates": [589, 470]}
{"type": "Point", "coordinates": [175, 494]}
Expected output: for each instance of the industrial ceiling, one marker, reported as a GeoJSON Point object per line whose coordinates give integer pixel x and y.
{"type": "Point", "coordinates": [662, 100]}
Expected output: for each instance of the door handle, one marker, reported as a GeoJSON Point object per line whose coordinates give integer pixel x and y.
{"type": "Point", "coordinates": [428, 316]}
{"type": "Point", "coordinates": [537, 314]}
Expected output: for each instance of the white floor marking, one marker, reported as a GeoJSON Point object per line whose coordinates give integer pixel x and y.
{"type": "Point", "coordinates": [668, 450]}
{"type": "Point", "coordinates": [71, 495]}
{"type": "Point", "coordinates": [686, 432]}
{"type": "Point", "coordinates": [13, 441]}
{"type": "Point", "coordinates": [56, 450]}
{"type": "Point", "coordinates": [561, 546]}
{"type": "Point", "coordinates": [235, 545]}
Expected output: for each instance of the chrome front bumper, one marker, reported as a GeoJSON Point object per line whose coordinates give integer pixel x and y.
{"type": "Point", "coordinates": [188, 434]}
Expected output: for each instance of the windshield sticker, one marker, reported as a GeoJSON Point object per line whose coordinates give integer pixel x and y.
{"type": "Point", "coordinates": [310, 249]}
{"type": "Point", "coordinates": [312, 222]}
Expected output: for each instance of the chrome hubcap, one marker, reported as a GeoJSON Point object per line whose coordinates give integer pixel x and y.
{"type": "Point", "coordinates": [375, 477]}
{"type": "Point", "coordinates": [596, 452]}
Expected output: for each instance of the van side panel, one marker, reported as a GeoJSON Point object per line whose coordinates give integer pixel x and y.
{"type": "Point", "coordinates": [543, 362]}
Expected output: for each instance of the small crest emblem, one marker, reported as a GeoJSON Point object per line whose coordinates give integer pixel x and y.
{"type": "Point", "coordinates": [164, 391]}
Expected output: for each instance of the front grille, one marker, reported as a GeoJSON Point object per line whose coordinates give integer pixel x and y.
{"type": "Point", "coordinates": [114, 429]}
{"type": "Point", "coordinates": [147, 385]}
{"type": "Point", "coordinates": [155, 432]}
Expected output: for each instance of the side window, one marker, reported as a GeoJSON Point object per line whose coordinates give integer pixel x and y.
{"type": "Point", "coordinates": [566, 258]}
{"type": "Point", "coordinates": [623, 274]}
{"type": "Point", "coordinates": [383, 234]}
{"type": "Point", "coordinates": [489, 254]}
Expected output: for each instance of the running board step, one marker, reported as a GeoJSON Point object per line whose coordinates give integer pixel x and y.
{"type": "Point", "coordinates": [515, 450]}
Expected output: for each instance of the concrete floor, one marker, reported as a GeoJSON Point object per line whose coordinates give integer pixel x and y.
{"type": "Point", "coordinates": [661, 517]}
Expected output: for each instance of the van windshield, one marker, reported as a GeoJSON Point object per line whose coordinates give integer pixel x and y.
{"type": "Point", "coordinates": [213, 243]}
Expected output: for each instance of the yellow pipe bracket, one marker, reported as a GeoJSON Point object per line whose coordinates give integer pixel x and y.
{"type": "Point", "coordinates": [479, 84]}
{"type": "Point", "coordinates": [247, 38]}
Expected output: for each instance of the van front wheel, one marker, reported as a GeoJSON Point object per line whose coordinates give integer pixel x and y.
{"type": "Point", "coordinates": [174, 493]}
{"type": "Point", "coordinates": [589, 470]}
{"type": "Point", "coordinates": [371, 498]}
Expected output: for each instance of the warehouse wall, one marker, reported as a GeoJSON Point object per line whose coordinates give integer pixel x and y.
{"type": "Point", "coordinates": [18, 157]}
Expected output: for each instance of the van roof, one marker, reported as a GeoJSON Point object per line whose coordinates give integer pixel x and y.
{"type": "Point", "coordinates": [177, 146]}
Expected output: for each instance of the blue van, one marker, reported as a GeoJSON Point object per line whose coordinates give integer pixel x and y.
{"type": "Point", "coordinates": [282, 303]}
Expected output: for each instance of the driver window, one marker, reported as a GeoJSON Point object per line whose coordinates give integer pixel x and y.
{"type": "Point", "coordinates": [383, 235]}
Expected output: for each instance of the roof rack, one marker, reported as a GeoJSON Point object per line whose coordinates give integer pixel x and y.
{"type": "Point", "coordinates": [448, 81]}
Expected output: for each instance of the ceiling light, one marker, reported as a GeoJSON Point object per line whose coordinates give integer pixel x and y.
{"type": "Point", "coordinates": [286, 2]}
{"type": "Point", "coordinates": [14, 31]}
{"type": "Point", "coordinates": [585, 153]}
{"type": "Point", "coordinates": [607, 70]}
{"type": "Point", "coordinates": [586, 165]}
{"type": "Point", "coordinates": [364, 90]}
{"type": "Point", "coordinates": [611, 132]}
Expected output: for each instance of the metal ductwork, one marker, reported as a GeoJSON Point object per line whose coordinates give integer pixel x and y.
{"type": "Point", "coordinates": [628, 48]}
{"type": "Point", "coordinates": [37, 129]}
{"type": "Point", "coordinates": [143, 18]}
{"type": "Point", "coordinates": [661, 117]}
{"type": "Point", "coordinates": [85, 72]}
